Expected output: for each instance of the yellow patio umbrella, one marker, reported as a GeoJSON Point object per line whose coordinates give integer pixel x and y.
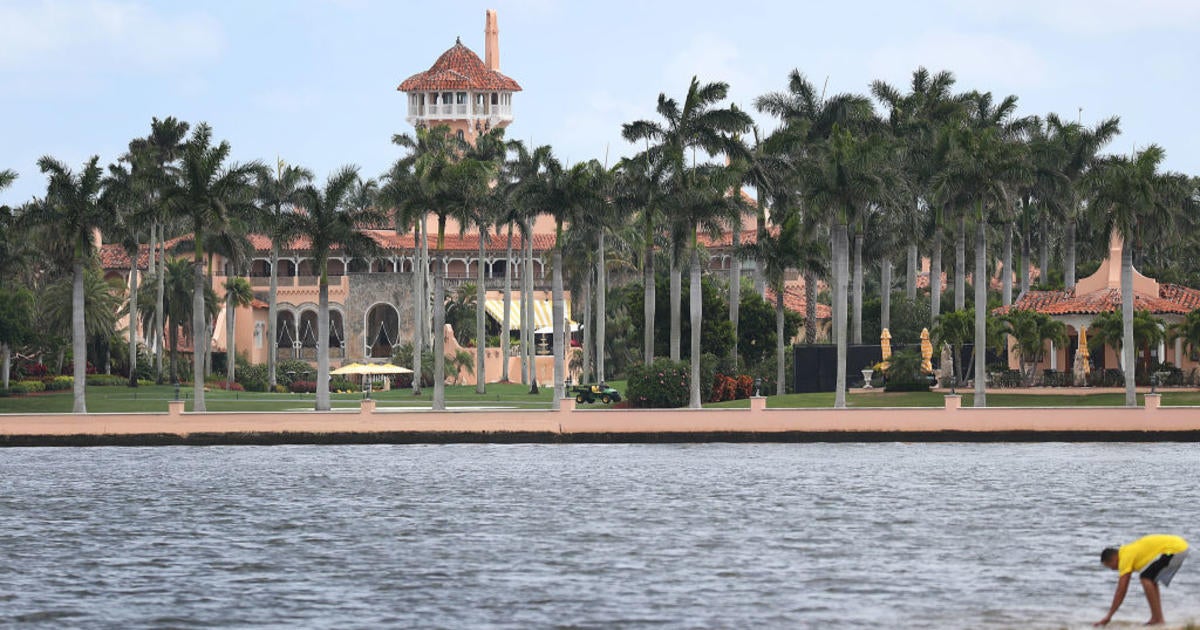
{"type": "Point", "coordinates": [885, 344]}
{"type": "Point", "coordinates": [349, 368]}
{"type": "Point", "coordinates": [926, 352]}
{"type": "Point", "coordinates": [1084, 351]}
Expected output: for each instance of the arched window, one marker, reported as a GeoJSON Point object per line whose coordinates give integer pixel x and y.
{"type": "Point", "coordinates": [382, 330]}
{"type": "Point", "coordinates": [285, 333]}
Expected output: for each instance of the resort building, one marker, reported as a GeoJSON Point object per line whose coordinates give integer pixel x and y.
{"type": "Point", "coordinates": [372, 304]}
{"type": "Point", "coordinates": [1100, 293]}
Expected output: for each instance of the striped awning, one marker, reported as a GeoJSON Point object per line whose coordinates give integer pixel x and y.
{"type": "Point", "coordinates": [543, 314]}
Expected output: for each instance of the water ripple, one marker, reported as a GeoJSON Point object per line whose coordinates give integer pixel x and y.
{"type": "Point", "coordinates": [585, 536]}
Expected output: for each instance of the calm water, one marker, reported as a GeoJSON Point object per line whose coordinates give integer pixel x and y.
{"type": "Point", "coordinates": [883, 535]}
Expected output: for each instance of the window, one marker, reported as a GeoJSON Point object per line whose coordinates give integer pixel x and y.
{"type": "Point", "coordinates": [495, 98]}
{"type": "Point", "coordinates": [462, 98]}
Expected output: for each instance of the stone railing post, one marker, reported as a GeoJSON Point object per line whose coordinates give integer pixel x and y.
{"type": "Point", "coordinates": [953, 402]}
{"type": "Point", "coordinates": [758, 403]}
{"type": "Point", "coordinates": [1153, 402]}
{"type": "Point", "coordinates": [367, 406]}
{"type": "Point", "coordinates": [566, 404]}
{"type": "Point", "coordinates": [174, 407]}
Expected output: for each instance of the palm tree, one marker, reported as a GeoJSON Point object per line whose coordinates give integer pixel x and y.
{"type": "Point", "coordinates": [178, 284]}
{"type": "Point", "coordinates": [526, 171]}
{"type": "Point", "coordinates": [810, 119]}
{"type": "Point", "coordinates": [789, 246]}
{"type": "Point", "coordinates": [1032, 330]}
{"type": "Point", "coordinates": [696, 125]}
{"type": "Point", "coordinates": [954, 328]}
{"type": "Point", "coordinates": [101, 304]}
{"type": "Point", "coordinates": [1189, 331]}
{"type": "Point", "coordinates": [238, 294]}
{"type": "Point", "coordinates": [205, 194]}
{"type": "Point", "coordinates": [10, 253]}
{"type": "Point", "coordinates": [73, 210]}
{"type": "Point", "coordinates": [1108, 329]}
{"type": "Point", "coordinates": [983, 159]}
{"type": "Point", "coordinates": [277, 193]}
{"type": "Point", "coordinates": [1127, 197]}
{"type": "Point", "coordinates": [843, 179]}
{"type": "Point", "coordinates": [329, 221]}
{"type": "Point", "coordinates": [489, 148]}
{"type": "Point", "coordinates": [916, 119]}
{"type": "Point", "coordinates": [163, 147]}
{"type": "Point", "coordinates": [1083, 145]}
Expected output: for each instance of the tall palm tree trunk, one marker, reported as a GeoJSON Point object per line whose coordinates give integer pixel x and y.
{"type": "Point", "coordinates": [1044, 254]}
{"type": "Point", "coordinates": [601, 312]}
{"type": "Point", "coordinates": [272, 315]}
{"type": "Point", "coordinates": [505, 323]}
{"type": "Point", "coordinates": [421, 298]}
{"type": "Point", "coordinates": [857, 291]}
{"type": "Point", "coordinates": [648, 299]}
{"type": "Point", "coordinates": [531, 340]}
{"type": "Point", "coordinates": [694, 303]}
{"type": "Point", "coordinates": [841, 272]}
{"type": "Point", "coordinates": [558, 311]}
{"type": "Point", "coordinates": [133, 323]}
{"type": "Point", "coordinates": [760, 233]}
{"type": "Point", "coordinates": [159, 307]}
{"type": "Point", "coordinates": [439, 332]}
{"type": "Point", "coordinates": [780, 367]}
{"type": "Point", "coordinates": [910, 281]}
{"type": "Point", "coordinates": [199, 331]}
{"type": "Point", "coordinates": [171, 328]}
{"type": "Point", "coordinates": [322, 397]}
{"type": "Point", "coordinates": [230, 349]}
{"type": "Point", "coordinates": [1128, 349]}
{"type": "Point", "coordinates": [810, 306]}
{"type": "Point", "coordinates": [735, 287]}
{"type": "Point", "coordinates": [1069, 255]}
{"type": "Point", "coordinates": [1006, 284]}
{"type": "Point", "coordinates": [1026, 260]}
{"type": "Point", "coordinates": [480, 311]}
{"type": "Point", "coordinates": [935, 276]}
{"type": "Point", "coordinates": [980, 313]}
{"type": "Point", "coordinates": [78, 340]}
{"type": "Point", "coordinates": [676, 277]}
{"type": "Point", "coordinates": [5, 365]}
{"type": "Point", "coordinates": [885, 294]}
{"type": "Point", "coordinates": [960, 265]}
{"type": "Point", "coordinates": [586, 375]}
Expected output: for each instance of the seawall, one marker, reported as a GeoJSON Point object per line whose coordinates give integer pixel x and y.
{"type": "Point", "coordinates": [368, 425]}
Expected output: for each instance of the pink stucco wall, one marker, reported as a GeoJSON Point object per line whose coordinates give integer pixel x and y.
{"type": "Point", "coordinates": [568, 420]}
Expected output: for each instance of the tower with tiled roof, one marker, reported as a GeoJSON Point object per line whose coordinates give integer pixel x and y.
{"type": "Point", "coordinates": [462, 91]}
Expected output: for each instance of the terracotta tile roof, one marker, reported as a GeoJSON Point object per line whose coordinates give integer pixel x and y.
{"type": "Point", "coordinates": [113, 256]}
{"type": "Point", "coordinates": [389, 239]}
{"type": "Point", "coordinates": [793, 300]}
{"type": "Point", "coordinates": [458, 69]}
{"type": "Point", "coordinates": [1171, 298]}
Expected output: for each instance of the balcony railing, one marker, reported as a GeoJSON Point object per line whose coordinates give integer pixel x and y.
{"type": "Point", "coordinates": [460, 111]}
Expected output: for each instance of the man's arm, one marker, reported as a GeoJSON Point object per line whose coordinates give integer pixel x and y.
{"type": "Point", "coordinates": [1118, 597]}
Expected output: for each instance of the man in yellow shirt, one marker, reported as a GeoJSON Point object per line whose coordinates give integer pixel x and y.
{"type": "Point", "coordinates": [1157, 556]}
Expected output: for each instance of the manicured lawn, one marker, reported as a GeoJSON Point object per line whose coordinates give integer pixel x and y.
{"type": "Point", "coordinates": [124, 399]}
{"type": "Point", "coordinates": [932, 399]}
{"type": "Point", "coordinates": [516, 396]}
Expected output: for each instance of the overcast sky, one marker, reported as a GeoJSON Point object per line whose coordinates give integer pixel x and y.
{"type": "Point", "coordinates": [314, 82]}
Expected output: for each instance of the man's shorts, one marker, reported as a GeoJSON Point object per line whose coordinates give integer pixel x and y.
{"type": "Point", "coordinates": [1163, 569]}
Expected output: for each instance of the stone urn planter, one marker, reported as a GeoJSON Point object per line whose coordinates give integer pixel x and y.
{"type": "Point", "coordinates": [867, 374]}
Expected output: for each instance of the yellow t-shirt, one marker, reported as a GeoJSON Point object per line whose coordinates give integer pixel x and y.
{"type": "Point", "coordinates": [1141, 552]}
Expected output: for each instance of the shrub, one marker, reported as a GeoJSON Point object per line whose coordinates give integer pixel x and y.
{"type": "Point", "coordinates": [662, 384]}
{"type": "Point", "coordinates": [293, 369]}
{"type": "Point", "coordinates": [33, 387]}
{"type": "Point", "coordinates": [724, 388]}
{"type": "Point", "coordinates": [904, 373]}
{"type": "Point", "coordinates": [5, 392]}
{"type": "Point", "coordinates": [106, 380]}
{"type": "Point", "coordinates": [18, 389]}
{"type": "Point", "coordinates": [341, 385]}
{"type": "Point", "coordinates": [280, 389]}
{"type": "Point", "coordinates": [144, 382]}
{"type": "Point", "coordinates": [58, 383]}
{"type": "Point", "coordinates": [303, 387]}
{"type": "Point", "coordinates": [224, 384]}
{"type": "Point", "coordinates": [252, 377]}
{"type": "Point", "coordinates": [35, 370]}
